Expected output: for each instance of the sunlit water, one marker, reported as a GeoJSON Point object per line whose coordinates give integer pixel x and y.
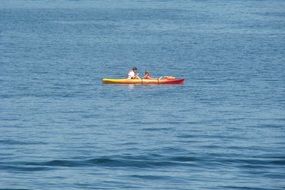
{"type": "Point", "coordinates": [61, 128]}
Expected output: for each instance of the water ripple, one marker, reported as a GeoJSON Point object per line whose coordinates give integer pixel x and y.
{"type": "Point", "coordinates": [146, 162]}
{"type": "Point", "coordinates": [124, 161]}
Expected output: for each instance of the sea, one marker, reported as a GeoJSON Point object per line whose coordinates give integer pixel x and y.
{"type": "Point", "coordinates": [62, 129]}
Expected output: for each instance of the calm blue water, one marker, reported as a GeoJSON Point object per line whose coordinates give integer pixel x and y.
{"type": "Point", "coordinates": [60, 128]}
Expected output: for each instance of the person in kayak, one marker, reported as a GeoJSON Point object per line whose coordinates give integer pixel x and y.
{"type": "Point", "coordinates": [147, 75]}
{"type": "Point", "coordinates": [133, 73]}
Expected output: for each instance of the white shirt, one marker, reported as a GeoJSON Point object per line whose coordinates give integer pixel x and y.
{"type": "Point", "coordinates": [131, 74]}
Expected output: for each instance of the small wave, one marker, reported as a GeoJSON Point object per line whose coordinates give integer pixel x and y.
{"type": "Point", "coordinates": [136, 163]}
{"type": "Point", "coordinates": [122, 161]}
{"type": "Point", "coordinates": [243, 188]}
{"type": "Point", "coordinates": [185, 159]}
{"type": "Point", "coordinates": [23, 168]}
{"type": "Point", "coordinates": [15, 142]}
{"type": "Point", "coordinates": [150, 177]}
{"type": "Point", "coordinates": [12, 189]}
{"type": "Point", "coordinates": [157, 129]}
{"type": "Point", "coordinates": [63, 163]}
{"type": "Point", "coordinates": [260, 162]}
{"type": "Point", "coordinates": [249, 162]}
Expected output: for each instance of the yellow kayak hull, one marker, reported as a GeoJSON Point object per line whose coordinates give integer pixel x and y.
{"type": "Point", "coordinates": [143, 81]}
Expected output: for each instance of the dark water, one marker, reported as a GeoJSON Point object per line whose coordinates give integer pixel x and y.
{"type": "Point", "coordinates": [60, 128]}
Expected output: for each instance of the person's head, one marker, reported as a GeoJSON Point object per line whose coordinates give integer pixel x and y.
{"type": "Point", "coordinates": [146, 73]}
{"type": "Point", "coordinates": [135, 69]}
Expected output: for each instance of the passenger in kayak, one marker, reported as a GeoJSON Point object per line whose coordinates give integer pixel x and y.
{"type": "Point", "coordinates": [133, 73]}
{"type": "Point", "coordinates": [147, 75]}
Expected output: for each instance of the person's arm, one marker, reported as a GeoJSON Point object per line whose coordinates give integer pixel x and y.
{"type": "Point", "coordinates": [137, 76]}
